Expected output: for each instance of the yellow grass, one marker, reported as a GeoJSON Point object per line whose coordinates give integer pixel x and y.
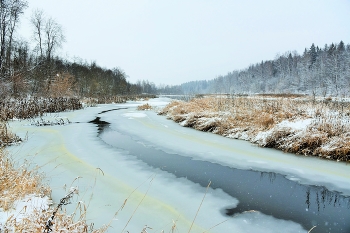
{"type": "Point", "coordinates": [16, 183]}
{"type": "Point", "coordinates": [144, 107]}
{"type": "Point", "coordinates": [328, 136]}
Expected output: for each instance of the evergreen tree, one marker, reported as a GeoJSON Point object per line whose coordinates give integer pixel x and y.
{"type": "Point", "coordinates": [318, 50]}
{"type": "Point", "coordinates": [341, 47]}
{"type": "Point", "coordinates": [313, 55]}
{"type": "Point", "coordinates": [331, 49]}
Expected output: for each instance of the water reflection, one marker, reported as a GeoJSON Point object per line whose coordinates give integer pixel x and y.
{"type": "Point", "coordinates": [266, 192]}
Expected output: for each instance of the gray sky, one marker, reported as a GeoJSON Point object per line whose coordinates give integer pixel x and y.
{"type": "Point", "coordinates": [175, 41]}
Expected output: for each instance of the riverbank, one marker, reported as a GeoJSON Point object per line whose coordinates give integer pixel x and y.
{"type": "Point", "coordinates": [295, 124]}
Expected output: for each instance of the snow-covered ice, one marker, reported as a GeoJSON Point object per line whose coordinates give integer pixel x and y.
{"type": "Point", "coordinates": [135, 115]}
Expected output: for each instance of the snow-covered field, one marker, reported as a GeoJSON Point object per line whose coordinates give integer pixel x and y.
{"type": "Point", "coordinates": [108, 179]}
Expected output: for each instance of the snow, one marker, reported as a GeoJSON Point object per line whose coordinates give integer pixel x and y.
{"type": "Point", "coordinates": [135, 115]}
{"type": "Point", "coordinates": [66, 152]}
{"type": "Point", "coordinates": [293, 126]}
{"type": "Point", "coordinates": [248, 221]}
{"type": "Point", "coordinates": [25, 207]}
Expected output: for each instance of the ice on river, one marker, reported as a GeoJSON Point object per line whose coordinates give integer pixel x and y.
{"type": "Point", "coordinates": [135, 114]}
{"type": "Point", "coordinates": [236, 153]}
{"type": "Point", "coordinates": [108, 178]}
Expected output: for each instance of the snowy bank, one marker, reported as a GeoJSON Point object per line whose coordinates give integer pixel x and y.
{"type": "Point", "coordinates": [297, 126]}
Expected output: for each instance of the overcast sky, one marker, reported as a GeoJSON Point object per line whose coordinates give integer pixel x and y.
{"type": "Point", "coordinates": [176, 41]}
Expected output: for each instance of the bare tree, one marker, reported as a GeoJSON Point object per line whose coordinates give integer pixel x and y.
{"type": "Point", "coordinates": [47, 33]}
{"type": "Point", "coordinates": [54, 37]}
{"type": "Point", "coordinates": [37, 21]}
{"type": "Point", "coordinates": [16, 9]}
{"type": "Point", "coordinates": [4, 14]}
{"type": "Point", "coordinates": [10, 10]}
{"type": "Point", "coordinates": [49, 37]}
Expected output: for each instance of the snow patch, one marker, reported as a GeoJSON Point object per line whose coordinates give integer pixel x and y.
{"type": "Point", "coordinates": [135, 114]}
{"type": "Point", "coordinates": [295, 125]}
{"type": "Point", "coordinates": [25, 207]}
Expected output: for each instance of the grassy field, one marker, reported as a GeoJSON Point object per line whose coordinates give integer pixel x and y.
{"type": "Point", "coordinates": [293, 123]}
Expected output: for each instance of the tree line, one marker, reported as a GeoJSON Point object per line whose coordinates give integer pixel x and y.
{"type": "Point", "coordinates": [41, 72]}
{"type": "Point", "coordinates": [318, 71]}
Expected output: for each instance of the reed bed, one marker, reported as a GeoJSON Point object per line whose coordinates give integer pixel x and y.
{"type": "Point", "coordinates": [33, 107]}
{"type": "Point", "coordinates": [272, 121]}
{"type": "Point", "coordinates": [93, 102]}
{"type": "Point", "coordinates": [112, 99]}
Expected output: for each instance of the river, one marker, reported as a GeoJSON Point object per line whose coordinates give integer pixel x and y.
{"type": "Point", "coordinates": [114, 153]}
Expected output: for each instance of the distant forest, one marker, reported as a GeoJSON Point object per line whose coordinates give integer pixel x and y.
{"type": "Point", "coordinates": [318, 71]}
{"type": "Point", "coordinates": [40, 72]}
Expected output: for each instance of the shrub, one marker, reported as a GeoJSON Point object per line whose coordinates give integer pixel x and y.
{"type": "Point", "coordinates": [144, 107]}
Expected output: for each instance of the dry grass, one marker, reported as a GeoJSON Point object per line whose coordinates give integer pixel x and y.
{"type": "Point", "coordinates": [33, 107]}
{"type": "Point", "coordinates": [89, 102]}
{"type": "Point", "coordinates": [285, 95]}
{"type": "Point", "coordinates": [118, 99]}
{"type": "Point", "coordinates": [18, 182]}
{"type": "Point", "coordinates": [328, 135]}
{"type": "Point", "coordinates": [6, 136]}
{"type": "Point", "coordinates": [240, 112]}
{"type": "Point", "coordinates": [62, 85]}
{"type": "Point", "coordinates": [144, 107]}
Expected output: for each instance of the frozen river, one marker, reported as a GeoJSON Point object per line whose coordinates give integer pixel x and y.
{"type": "Point", "coordinates": [162, 169]}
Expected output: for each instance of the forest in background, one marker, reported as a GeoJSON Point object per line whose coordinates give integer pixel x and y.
{"type": "Point", "coordinates": [27, 70]}
{"type": "Point", "coordinates": [318, 71]}
{"type": "Point", "coordinates": [40, 72]}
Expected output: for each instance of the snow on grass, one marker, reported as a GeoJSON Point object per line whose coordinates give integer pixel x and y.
{"type": "Point", "coordinates": [22, 209]}
{"type": "Point", "coordinates": [296, 125]}
{"type": "Point", "coordinates": [284, 126]}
